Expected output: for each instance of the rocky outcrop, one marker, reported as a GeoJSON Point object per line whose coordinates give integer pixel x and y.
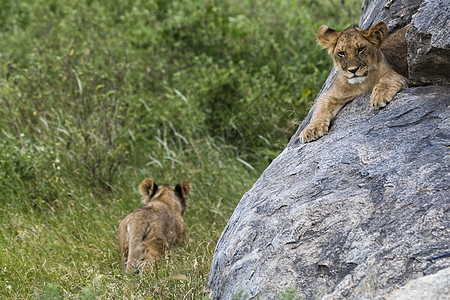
{"type": "Point", "coordinates": [355, 214]}
{"type": "Point", "coordinates": [395, 13]}
{"type": "Point", "coordinates": [428, 37]}
{"type": "Point", "coordinates": [428, 40]}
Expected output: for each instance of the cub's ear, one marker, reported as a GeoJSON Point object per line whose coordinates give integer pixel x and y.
{"type": "Point", "coordinates": [183, 188]}
{"type": "Point", "coordinates": [148, 188]}
{"type": "Point", "coordinates": [376, 33]}
{"type": "Point", "coordinates": [327, 37]}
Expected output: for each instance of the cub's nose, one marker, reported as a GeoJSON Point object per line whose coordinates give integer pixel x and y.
{"type": "Point", "coordinates": [353, 69]}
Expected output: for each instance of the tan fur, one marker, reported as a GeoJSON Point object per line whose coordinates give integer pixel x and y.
{"type": "Point", "coordinates": [362, 67]}
{"type": "Point", "coordinates": [395, 50]}
{"type": "Point", "coordinates": [146, 233]}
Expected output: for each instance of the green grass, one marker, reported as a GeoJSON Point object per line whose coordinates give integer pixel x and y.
{"type": "Point", "coordinates": [69, 244]}
{"type": "Point", "coordinates": [96, 95]}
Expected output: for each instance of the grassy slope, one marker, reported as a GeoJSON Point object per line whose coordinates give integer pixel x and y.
{"type": "Point", "coordinates": [97, 95]}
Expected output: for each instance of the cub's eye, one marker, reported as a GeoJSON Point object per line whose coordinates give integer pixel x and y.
{"type": "Point", "coordinates": [361, 49]}
{"type": "Point", "coordinates": [341, 53]}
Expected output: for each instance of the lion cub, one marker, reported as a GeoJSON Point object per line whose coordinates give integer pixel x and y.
{"type": "Point", "coordinates": [149, 231]}
{"type": "Point", "coordinates": [362, 67]}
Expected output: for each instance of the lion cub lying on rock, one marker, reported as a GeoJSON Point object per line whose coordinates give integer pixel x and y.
{"type": "Point", "coordinates": [149, 231]}
{"type": "Point", "coordinates": [362, 67]}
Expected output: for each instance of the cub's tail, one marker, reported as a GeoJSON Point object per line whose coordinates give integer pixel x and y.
{"type": "Point", "coordinates": [134, 249]}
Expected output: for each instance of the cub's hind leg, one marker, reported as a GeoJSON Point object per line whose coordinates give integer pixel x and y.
{"type": "Point", "coordinates": [152, 250]}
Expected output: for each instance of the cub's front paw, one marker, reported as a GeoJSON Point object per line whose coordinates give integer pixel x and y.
{"type": "Point", "coordinates": [381, 96]}
{"type": "Point", "coordinates": [313, 132]}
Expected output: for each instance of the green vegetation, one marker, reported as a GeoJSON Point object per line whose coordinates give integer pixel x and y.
{"type": "Point", "coordinates": [97, 95]}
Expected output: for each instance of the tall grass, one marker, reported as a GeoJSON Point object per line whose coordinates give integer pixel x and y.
{"type": "Point", "coordinates": [70, 243]}
{"type": "Point", "coordinates": [96, 95]}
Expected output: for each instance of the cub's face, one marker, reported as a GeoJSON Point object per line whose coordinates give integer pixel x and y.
{"type": "Point", "coordinates": [353, 50]}
{"type": "Point", "coordinates": [355, 56]}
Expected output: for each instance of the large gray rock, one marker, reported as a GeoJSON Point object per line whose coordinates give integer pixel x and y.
{"type": "Point", "coordinates": [352, 215]}
{"type": "Point", "coordinates": [428, 40]}
{"type": "Point", "coordinates": [357, 213]}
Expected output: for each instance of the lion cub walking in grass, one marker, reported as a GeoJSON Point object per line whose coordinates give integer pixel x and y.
{"type": "Point", "coordinates": [362, 67]}
{"type": "Point", "coordinates": [149, 231]}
